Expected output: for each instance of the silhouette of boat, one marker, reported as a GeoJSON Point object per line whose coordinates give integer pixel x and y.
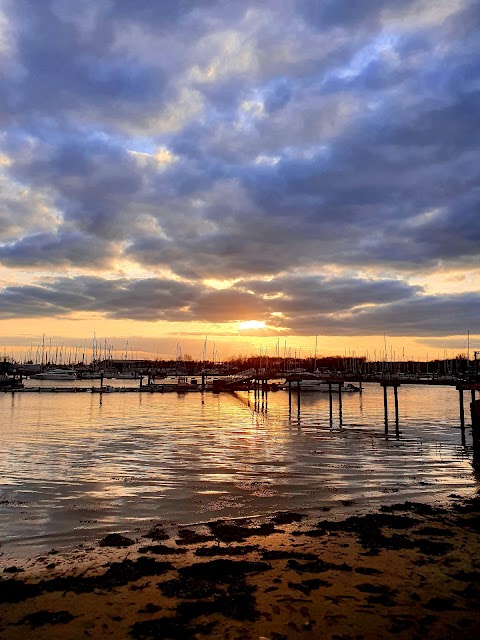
{"type": "Point", "coordinates": [7, 383]}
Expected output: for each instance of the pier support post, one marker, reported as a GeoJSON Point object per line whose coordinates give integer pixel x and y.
{"type": "Point", "coordinates": [475, 412]}
{"type": "Point", "coordinates": [340, 407]}
{"type": "Point", "coordinates": [462, 408]}
{"type": "Point", "coordinates": [395, 395]}
{"type": "Point", "coordinates": [330, 399]}
{"type": "Point", "coordinates": [298, 395]}
{"type": "Point", "coordinates": [289, 396]}
{"type": "Point", "coordinates": [385, 406]}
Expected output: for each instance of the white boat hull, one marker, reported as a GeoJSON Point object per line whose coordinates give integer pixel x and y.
{"type": "Point", "coordinates": [56, 375]}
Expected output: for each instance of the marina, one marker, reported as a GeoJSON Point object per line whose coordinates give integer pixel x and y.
{"type": "Point", "coordinates": [250, 380]}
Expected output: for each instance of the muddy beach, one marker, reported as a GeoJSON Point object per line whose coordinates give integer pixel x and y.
{"type": "Point", "coordinates": [408, 570]}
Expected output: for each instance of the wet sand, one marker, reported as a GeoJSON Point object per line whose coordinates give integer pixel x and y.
{"type": "Point", "coordinates": [407, 571]}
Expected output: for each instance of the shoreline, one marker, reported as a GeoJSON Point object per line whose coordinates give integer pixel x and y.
{"type": "Point", "coordinates": [408, 570]}
{"type": "Point", "coordinates": [19, 550]}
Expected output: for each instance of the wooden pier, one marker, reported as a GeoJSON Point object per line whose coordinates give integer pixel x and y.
{"type": "Point", "coordinates": [261, 384]}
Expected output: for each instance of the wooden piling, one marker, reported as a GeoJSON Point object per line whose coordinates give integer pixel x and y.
{"type": "Point", "coordinates": [330, 398]}
{"type": "Point", "coordinates": [385, 406]}
{"type": "Point", "coordinates": [340, 400]}
{"type": "Point", "coordinates": [395, 395]}
{"type": "Point", "coordinates": [475, 413]}
{"type": "Point", "coordinates": [462, 408]}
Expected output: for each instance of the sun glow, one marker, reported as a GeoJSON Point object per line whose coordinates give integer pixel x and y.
{"type": "Point", "coordinates": [251, 324]}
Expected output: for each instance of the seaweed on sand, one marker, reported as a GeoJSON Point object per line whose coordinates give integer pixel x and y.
{"type": "Point", "coordinates": [117, 574]}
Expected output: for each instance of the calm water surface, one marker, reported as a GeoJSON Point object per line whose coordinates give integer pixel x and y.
{"type": "Point", "coordinates": [74, 466]}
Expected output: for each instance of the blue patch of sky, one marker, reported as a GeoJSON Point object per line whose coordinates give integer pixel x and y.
{"type": "Point", "coordinates": [373, 51]}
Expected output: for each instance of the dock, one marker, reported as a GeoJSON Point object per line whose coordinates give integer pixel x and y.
{"type": "Point", "coordinates": [261, 383]}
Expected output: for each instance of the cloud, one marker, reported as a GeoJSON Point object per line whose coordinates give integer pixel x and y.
{"type": "Point", "coordinates": [229, 305]}
{"type": "Point", "coordinates": [57, 249]}
{"type": "Point", "coordinates": [23, 211]}
{"type": "Point", "coordinates": [149, 299]}
{"type": "Point", "coordinates": [420, 316]}
{"type": "Point", "coordinates": [294, 306]}
{"type": "Point", "coordinates": [261, 143]}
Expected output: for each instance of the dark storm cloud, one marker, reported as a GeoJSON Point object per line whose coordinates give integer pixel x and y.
{"type": "Point", "coordinates": [268, 138]}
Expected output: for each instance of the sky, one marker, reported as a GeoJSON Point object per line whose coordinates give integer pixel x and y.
{"type": "Point", "coordinates": [264, 177]}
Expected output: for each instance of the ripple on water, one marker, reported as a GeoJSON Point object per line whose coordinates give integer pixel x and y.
{"type": "Point", "coordinates": [131, 458]}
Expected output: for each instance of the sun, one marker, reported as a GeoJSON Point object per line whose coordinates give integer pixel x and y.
{"type": "Point", "coordinates": [251, 324]}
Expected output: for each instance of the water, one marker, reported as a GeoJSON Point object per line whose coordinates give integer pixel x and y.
{"type": "Point", "coordinates": [75, 466]}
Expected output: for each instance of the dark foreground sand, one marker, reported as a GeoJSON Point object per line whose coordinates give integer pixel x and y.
{"type": "Point", "coordinates": [407, 571]}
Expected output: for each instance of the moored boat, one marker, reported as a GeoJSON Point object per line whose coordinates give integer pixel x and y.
{"type": "Point", "coordinates": [7, 383]}
{"type": "Point", "coordinates": [179, 384]}
{"type": "Point", "coordinates": [56, 374]}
